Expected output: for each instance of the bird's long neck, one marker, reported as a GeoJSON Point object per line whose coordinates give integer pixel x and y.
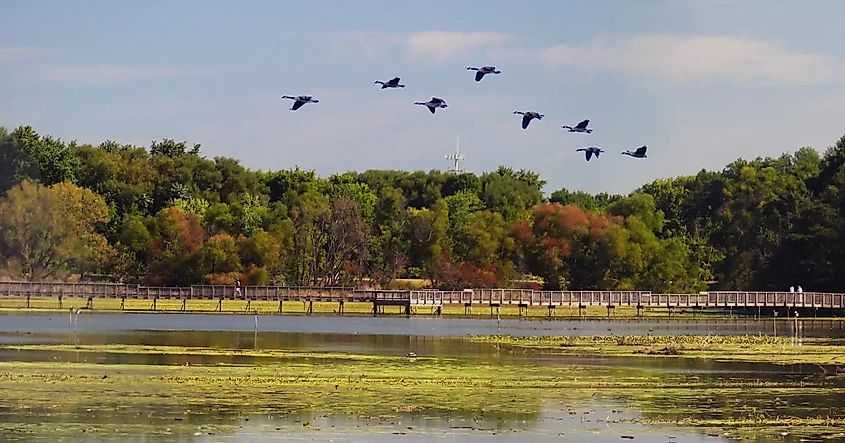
{"type": "Point", "coordinates": [379, 82]}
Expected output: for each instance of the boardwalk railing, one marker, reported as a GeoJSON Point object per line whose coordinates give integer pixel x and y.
{"type": "Point", "coordinates": [467, 297]}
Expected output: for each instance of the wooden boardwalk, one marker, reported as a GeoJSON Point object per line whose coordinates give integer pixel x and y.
{"type": "Point", "coordinates": [409, 298]}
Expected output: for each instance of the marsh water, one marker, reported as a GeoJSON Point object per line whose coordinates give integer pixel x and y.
{"type": "Point", "coordinates": [300, 341]}
{"type": "Point", "coordinates": [412, 326]}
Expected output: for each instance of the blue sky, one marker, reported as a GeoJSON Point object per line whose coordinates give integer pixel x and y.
{"type": "Point", "coordinates": [700, 82]}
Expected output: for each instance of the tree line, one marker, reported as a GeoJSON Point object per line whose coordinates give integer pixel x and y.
{"type": "Point", "coordinates": [166, 215]}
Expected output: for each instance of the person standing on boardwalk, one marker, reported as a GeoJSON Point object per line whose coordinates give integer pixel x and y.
{"type": "Point", "coordinates": [237, 287]}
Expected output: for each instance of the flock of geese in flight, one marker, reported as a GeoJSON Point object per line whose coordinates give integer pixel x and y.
{"type": "Point", "coordinates": [527, 116]}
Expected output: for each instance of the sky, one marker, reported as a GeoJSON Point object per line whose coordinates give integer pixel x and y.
{"type": "Point", "coordinates": [702, 83]}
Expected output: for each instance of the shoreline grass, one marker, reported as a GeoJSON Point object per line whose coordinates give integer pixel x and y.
{"type": "Point", "coordinates": [39, 304]}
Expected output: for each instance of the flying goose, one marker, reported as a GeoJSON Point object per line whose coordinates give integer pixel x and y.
{"type": "Point", "coordinates": [590, 151]}
{"type": "Point", "coordinates": [300, 100]}
{"type": "Point", "coordinates": [639, 153]}
{"type": "Point", "coordinates": [580, 127]}
{"type": "Point", "coordinates": [433, 104]}
{"type": "Point", "coordinates": [392, 83]}
{"type": "Point", "coordinates": [482, 71]}
{"type": "Point", "coordinates": [527, 116]}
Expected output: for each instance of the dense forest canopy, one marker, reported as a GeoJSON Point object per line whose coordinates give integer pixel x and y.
{"type": "Point", "coordinates": [166, 215]}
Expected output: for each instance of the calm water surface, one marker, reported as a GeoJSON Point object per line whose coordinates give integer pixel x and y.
{"type": "Point", "coordinates": [418, 326]}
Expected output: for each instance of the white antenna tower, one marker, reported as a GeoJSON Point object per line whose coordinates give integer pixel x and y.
{"type": "Point", "coordinates": [456, 157]}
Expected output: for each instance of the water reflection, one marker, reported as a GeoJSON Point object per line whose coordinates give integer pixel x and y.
{"type": "Point", "coordinates": [301, 344]}
{"type": "Point", "coordinates": [418, 326]}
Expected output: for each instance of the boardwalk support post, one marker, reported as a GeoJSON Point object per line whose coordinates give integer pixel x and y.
{"type": "Point", "coordinates": [310, 307]}
{"type": "Point", "coordinates": [639, 310]}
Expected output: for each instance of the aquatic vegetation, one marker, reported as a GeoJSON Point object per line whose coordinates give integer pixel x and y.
{"type": "Point", "coordinates": [747, 348]}
{"type": "Point", "coordinates": [185, 396]}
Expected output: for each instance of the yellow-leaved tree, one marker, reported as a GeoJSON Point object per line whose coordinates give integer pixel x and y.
{"type": "Point", "coordinates": [48, 232]}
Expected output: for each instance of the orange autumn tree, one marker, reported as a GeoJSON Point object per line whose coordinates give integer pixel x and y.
{"type": "Point", "coordinates": [560, 239]}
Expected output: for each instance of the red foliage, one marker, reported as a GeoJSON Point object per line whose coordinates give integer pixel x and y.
{"type": "Point", "coordinates": [469, 275]}
{"type": "Point", "coordinates": [521, 232]}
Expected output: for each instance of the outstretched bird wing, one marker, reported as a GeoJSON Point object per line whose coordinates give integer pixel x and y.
{"type": "Point", "coordinates": [641, 150]}
{"type": "Point", "coordinates": [431, 108]}
{"type": "Point", "coordinates": [583, 124]}
{"type": "Point", "coordinates": [479, 75]}
{"type": "Point", "coordinates": [436, 101]}
{"type": "Point", "coordinates": [296, 105]}
{"type": "Point", "coordinates": [526, 119]}
{"type": "Point", "coordinates": [589, 154]}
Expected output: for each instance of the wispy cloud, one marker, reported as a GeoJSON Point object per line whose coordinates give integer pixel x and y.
{"type": "Point", "coordinates": [103, 74]}
{"type": "Point", "coordinates": [15, 54]}
{"type": "Point", "coordinates": [702, 58]}
{"type": "Point", "coordinates": [371, 44]}
{"type": "Point", "coordinates": [443, 46]}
